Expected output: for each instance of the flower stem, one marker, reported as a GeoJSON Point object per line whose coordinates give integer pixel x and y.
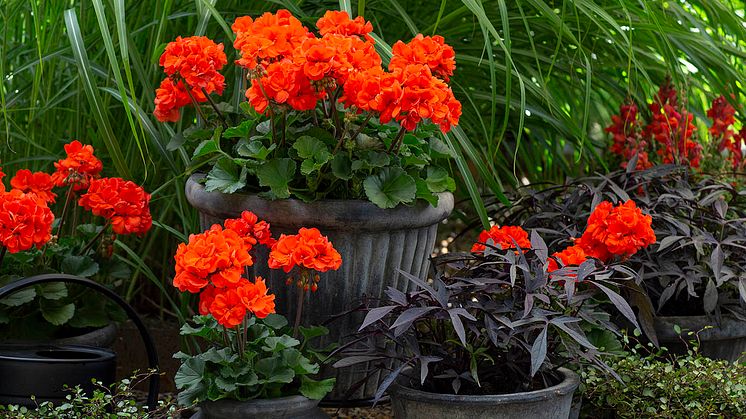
{"type": "Point", "coordinates": [215, 107]}
{"type": "Point", "coordinates": [196, 105]}
{"type": "Point", "coordinates": [3, 251]}
{"type": "Point", "coordinates": [299, 312]}
{"type": "Point", "coordinates": [68, 198]}
{"type": "Point", "coordinates": [396, 144]}
{"type": "Point", "coordinates": [93, 240]}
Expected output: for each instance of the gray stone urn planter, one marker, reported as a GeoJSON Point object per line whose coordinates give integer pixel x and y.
{"type": "Point", "coordinates": [296, 407]}
{"type": "Point", "coordinates": [550, 403]}
{"type": "Point", "coordinates": [726, 341]}
{"type": "Point", "coordinates": [375, 244]}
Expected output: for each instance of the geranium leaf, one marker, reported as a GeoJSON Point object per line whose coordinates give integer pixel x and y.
{"type": "Point", "coordinates": [82, 266]}
{"type": "Point", "coordinates": [57, 314]}
{"type": "Point", "coordinates": [390, 187]}
{"type": "Point", "coordinates": [226, 177]}
{"type": "Point", "coordinates": [438, 180]}
{"type": "Point", "coordinates": [277, 174]}
{"type": "Point", "coordinates": [316, 390]}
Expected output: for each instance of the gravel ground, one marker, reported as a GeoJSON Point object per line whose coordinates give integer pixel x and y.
{"type": "Point", "coordinates": [378, 412]}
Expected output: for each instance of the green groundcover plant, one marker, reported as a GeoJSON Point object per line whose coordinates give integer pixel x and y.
{"type": "Point", "coordinates": [120, 400]}
{"type": "Point", "coordinates": [655, 386]}
{"type": "Point", "coordinates": [323, 118]}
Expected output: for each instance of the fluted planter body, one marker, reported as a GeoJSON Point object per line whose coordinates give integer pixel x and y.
{"type": "Point", "coordinates": [374, 243]}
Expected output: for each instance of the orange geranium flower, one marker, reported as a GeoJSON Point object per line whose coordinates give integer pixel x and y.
{"type": "Point", "coordinates": [170, 97]}
{"type": "Point", "coordinates": [37, 184]}
{"type": "Point", "coordinates": [339, 22]}
{"type": "Point", "coordinates": [307, 249]}
{"type": "Point", "coordinates": [431, 51]}
{"type": "Point", "coordinates": [123, 202]}
{"type": "Point", "coordinates": [251, 229]}
{"type": "Point", "coordinates": [616, 231]}
{"type": "Point", "coordinates": [571, 256]}
{"type": "Point", "coordinates": [256, 298]}
{"type": "Point", "coordinates": [283, 83]}
{"type": "Point", "coordinates": [268, 38]}
{"type": "Point", "coordinates": [228, 308]}
{"type": "Point", "coordinates": [216, 256]}
{"type": "Point", "coordinates": [197, 60]}
{"type": "Point", "coordinates": [78, 168]}
{"type": "Point", "coordinates": [505, 237]}
{"type": "Point", "coordinates": [25, 221]}
{"type": "Point", "coordinates": [2, 185]}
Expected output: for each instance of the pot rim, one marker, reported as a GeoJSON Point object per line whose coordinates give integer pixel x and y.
{"type": "Point", "coordinates": [326, 214]}
{"type": "Point", "coordinates": [102, 354]}
{"type": "Point", "coordinates": [567, 386]}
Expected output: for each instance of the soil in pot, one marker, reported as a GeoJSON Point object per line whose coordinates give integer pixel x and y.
{"type": "Point", "coordinates": [550, 403]}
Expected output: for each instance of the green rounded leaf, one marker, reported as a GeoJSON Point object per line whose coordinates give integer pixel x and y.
{"type": "Point", "coordinates": [390, 187]}
{"type": "Point", "coordinates": [277, 174]}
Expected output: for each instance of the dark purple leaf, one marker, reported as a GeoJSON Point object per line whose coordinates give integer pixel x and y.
{"type": "Point", "coordinates": [711, 296]}
{"type": "Point", "coordinates": [716, 262]}
{"type": "Point", "coordinates": [458, 326]}
{"type": "Point", "coordinates": [425, 287]}
{"type": "Point", "coordinates": [357, 359]}
{"type": "Point", "coordinates": [742, 288]}
{"type": "Point", "coordinates": [410, 315]}
{"type": "Point", "coordinates": [619, 303]}
{"type": "Point", "coordinates": [539, 246]}
{"type": "Point", "coordinates": [539, 351]}
{"type": "Point", "coordinates": [376, 314]}
{"type": "Point", "coordinates": [424, 362]}
{"type": "Point", "coordinates": [668, 241]}
{"type": "Point", "coordinates": [578, 335]}
{"type": "Point", "coordinates": [396, 296]}
{"type": "Point", "coordinates": [388, 381]}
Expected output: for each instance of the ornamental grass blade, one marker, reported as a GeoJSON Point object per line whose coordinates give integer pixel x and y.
{"type": "Point", "coordinates": [97, 105]}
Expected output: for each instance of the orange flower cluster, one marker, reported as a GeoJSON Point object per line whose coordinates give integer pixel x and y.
{"type": "Point", "coordinates": [191, 63]}
{"type": "Point", "coordinates": [269, 38]}
{"type": "Point", "coordinates": [505, 237]}
{"type": "Point", "coordinates": [339, 23]}
{"type": "Point", "coordinates": [616, 231]}
{"type": "Point", "coordinates": [123, 203]}
{"type": "Point", "coordinates": [36, 184]}
{"type": "Point", "coordinates": [25, 221]}
{"type": "Point", "coordinates": [251, 229]}
{"type": "Point", "coordinates": [307, 249]}
{"type": "Point", "coordinates": [431, 51]}
{"type": "Point", "coordinates": [571, 256]}
{"type": "Point", "coordinates": [78, 168]}
{"type": "Point", "coordinates": [213, 263]}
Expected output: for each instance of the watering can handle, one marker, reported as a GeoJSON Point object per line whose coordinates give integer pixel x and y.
{"type": "Point", "coordinates": [70, 279]}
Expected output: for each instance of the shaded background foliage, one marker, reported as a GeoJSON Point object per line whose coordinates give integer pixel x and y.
{"type": "Point", "coordinates": [538, 80]}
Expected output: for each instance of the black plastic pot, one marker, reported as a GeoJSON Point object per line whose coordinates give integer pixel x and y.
{"type": "Point", "coordinates": [549, 403]}
{"type": "Point", "coordinates": [44, 371]}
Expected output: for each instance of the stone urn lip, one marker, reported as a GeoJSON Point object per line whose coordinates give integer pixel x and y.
{"type": "Point", "coordinates": [328, 214]}
{"type": "Point", "coordinates": [568, 385]}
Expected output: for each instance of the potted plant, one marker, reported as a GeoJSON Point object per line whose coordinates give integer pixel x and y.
{"type": "Point", "coordinates": [327, 137]}
{"type": "Point", "coordinates": [496, 331]}
{"type": "Point", "coordinates": [92, 212]}
{"type": "Point", "coordinates": [691, 280]}
{"type": "Point", "coordinates": [248, 363]}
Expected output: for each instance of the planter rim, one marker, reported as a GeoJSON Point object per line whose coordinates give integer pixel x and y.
{"type": "Point", "coordinates": [729, 327]}
{"type": "Point", "coordinates": [329, 214]}
{"type": "Point", "coordinates": [257, 402]}
{"type": "Point", "coordinates": [102, 354]}
{"type": "Point", "coordinates": [567, 386]}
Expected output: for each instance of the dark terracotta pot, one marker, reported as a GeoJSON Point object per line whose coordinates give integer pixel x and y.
{"type": "Point", "coordinates": [550, 403]}
{"type": "Point", "coordinates": [296, 407]}
{"type": "Point", "coordinates": [725, 341]}
{"type": "Point", "coordinates": [375, 244]}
